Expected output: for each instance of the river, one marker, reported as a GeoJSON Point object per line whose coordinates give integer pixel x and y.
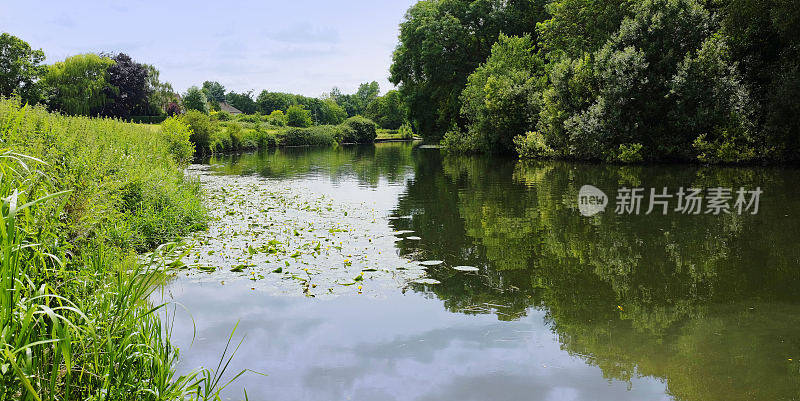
{"type": "Point", "coordinates": [393, 272]}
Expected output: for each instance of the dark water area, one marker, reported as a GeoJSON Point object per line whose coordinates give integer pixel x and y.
{"type": "Point", "coordinates": [555, 305]}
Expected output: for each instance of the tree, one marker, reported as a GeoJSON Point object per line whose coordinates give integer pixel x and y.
{"type": "Point", "coordinates": [500, 99]}
{"type": "Point", "coordinates": [330, 113]}
{"type": "Point", "coordinates": [298, 116]}
{"type": "Point", "coordinates": [195, 99]}
{"type": "Point", "coordinates": [271, 101]}
{"type": "Point", "coordinates": [160, 94]}
{"type": "Point", "coordinates": [242, 101]}
{"type": "Point", "coordinates": [388, 111]}
{"type": "Point", "coordinates": [441, 43]}
{"type": "Point", "coordinates": [201, 126]}
{"type": "Point", "coordinates": [127, 88]}
{"type": "Point", "coordinates": [20, 69]}
{"type": "Point", "coordinates": [214, 91]}
{"type": "Point", "coordinates": [78, 85]}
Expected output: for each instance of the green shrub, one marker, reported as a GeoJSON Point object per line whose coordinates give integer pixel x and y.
{"type": "Point", "coordinates": [202, 128]}
{"type": "Point", "coordinates": [222, 115]}
{"type": "Point", "coordinates": [249, 118]}
{"type": "Point", "coordinates": [358, 129]}
{"type": "Point", "coordinates": [532, 145]}
{"type": "Point", "coordinates": [322, 135]}
{"type": "Point", "coordinates": [276, 118]}
{"type": "Point", "coordinates": [457, 141]}
{"type": "Point", "coordinates": [298, 116]}
{"type": "Point", "coordinates": [178, 137]}
{"type": "Point", "coordinates": [630, 153]}
{"type": "Point", "coordinates": [405, 131]}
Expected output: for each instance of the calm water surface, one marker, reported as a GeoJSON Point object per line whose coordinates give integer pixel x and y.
{"type": "Point", "coordinates": [562, 307]}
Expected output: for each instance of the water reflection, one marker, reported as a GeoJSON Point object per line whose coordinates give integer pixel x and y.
{"type": "Point", "coordinates": [706, 305]}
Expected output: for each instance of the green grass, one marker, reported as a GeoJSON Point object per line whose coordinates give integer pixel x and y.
{"type": "Point", "coordinates": [76, 322]}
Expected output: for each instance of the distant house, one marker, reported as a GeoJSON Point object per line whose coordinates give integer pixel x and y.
{"type": "Point", "coordinates": [224, 106]}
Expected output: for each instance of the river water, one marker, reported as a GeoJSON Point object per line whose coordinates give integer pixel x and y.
{"type": "Point", "coordinates": [316, 254]}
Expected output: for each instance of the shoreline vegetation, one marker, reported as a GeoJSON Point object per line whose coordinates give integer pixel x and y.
{"type": "Point", "coordinates": [623, 81]}
{"type": "Point", "coordinates": [81, 197]}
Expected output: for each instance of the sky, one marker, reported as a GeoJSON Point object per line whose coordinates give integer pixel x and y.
{"type": "Point", "coordinates": [297, 46]}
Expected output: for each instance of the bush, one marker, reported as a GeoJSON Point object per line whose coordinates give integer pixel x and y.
{"type": "Point", "coordinates": [178, 137]}
{"type": "Point", "coordinates": [322, 135]}
{"type": "Point", "coordinates": [358, 129]}
{"type": "Point", "coordinates": [298, 116]}
{"type": "Point", "coordinates": [222, 116]}
{"type": "Point", "coordinates": [276, 118]}
{"type": "Point", "coordinates": [532, 145]}
{"type": "Point", "coordinates": [630, 153]}
{"type": "Point", "coordinates": [202, 128]}
{"type": "Point", "coordinates": [458, 141]}
{"type": "Point", "coordinates": [405, 131]}
{"type": "Point", "coordinates": [249, 118]}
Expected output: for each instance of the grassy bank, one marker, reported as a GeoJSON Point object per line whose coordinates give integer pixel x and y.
{"type": "Point", "coordinates": [80, 196]}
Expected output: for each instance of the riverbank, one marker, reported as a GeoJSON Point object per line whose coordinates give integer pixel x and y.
{"type": "Point", "coordinates": [81, 196]}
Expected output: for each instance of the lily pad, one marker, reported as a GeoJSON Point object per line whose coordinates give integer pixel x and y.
{"type": "Point", "coordinates": [466, 268]}
{"type": "Point", "coordinates": [427, 281]}
{"type": "Point", "coordinates": [431, 262]}
{"type": "Point", "coordinates": [414, 238]}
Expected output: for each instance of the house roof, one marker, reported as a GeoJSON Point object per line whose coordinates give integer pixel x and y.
{"type": "Point", "coordinates": [224, 106]}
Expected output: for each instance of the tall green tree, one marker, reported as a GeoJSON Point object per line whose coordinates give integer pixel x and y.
{"type": "Point", "coordinates": [442, 42]}
{"type": "Point", "coordinates": [195, 99]}
{"type": "Point", "coordinates": [242, 101]}
{"type": "Point", "coordinates": [214, 91]}
{"type": "Point", "coordinates": [79, 84]}
{"type": "Point", "coordinates": [501, 99]}
{"type": "Point", "coordinates": [388, 111]}
{"type": "Point", "coordinates": [20, 68]}
{"type": "Point", "coordinates": [271, 101]}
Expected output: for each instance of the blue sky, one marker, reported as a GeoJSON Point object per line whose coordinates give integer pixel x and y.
{"type": "Point", "coordinates": [299, 46]}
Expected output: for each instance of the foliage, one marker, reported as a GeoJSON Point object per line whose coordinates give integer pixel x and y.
{"type": "Point", "coordinates": [500, 100]}
{"type": "Point", "coordinates": [74, 302]}
{"type": "Point", "coordinates": [201, 128]}
{"type": "Point", "coordinates": [441, 43]}
{"type": "Point", "coordinates": [358, 129]}
{"type": "Point", "coordinates": [127, 89]}
{"type": "Point", "coordinates": [242, 101]}
{"type": "Point", "coordinates": [330, 113]}
{"type": "Point", "coordinates": [79, 84]}
{"type": "Point", "coordinates": [321, 135]}
{"type": "Point", "coordinates": [178, 136]}
{"type": "Point", "coordinates": [405, 131]}
{"type": "Point", "coordinates": [276, 118]}
{"type": "Point", "coordinates": [214, 91]}
{"type": "Point", "coordinates": [160, 94]}
{"type": "Point", "coordinates": [388, 111]}
{"type": "Point", "coordinates": [271, 101]}
{"type": "Point", "coordinates": [356, 103]}
{"type": "Point", "coordinates": [20, 69]}
{"type": "Point", "coordinates": [195, 99]}
{"type": "Point", "coordinates": [532, 145]}
{"type": "Point", "coordinates": [298, 116]}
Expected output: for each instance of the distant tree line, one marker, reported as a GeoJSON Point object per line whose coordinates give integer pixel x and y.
{"type": "Point", "coordinates": [614, 80]}
{"type": "Point", "coordinates": [111, 85]}
{"type": "Point", "coordinates": [114, 85]}
{"type": "Point", "coordinates": [332, 108]}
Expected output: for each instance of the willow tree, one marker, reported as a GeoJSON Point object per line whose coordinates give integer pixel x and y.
{"type": "Point", "coordinates": [78, 85]}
